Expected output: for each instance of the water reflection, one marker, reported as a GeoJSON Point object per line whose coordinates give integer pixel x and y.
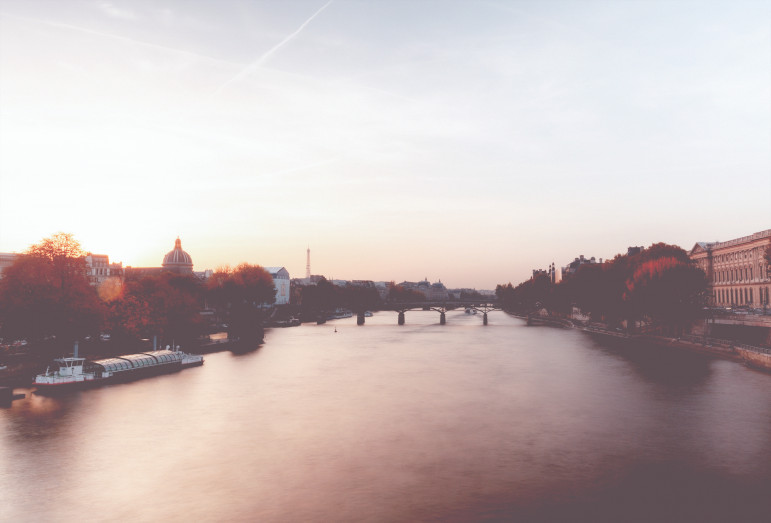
{"type": "Point", "coordinates": [419, 422]}
{"type": "Point", "coordinates": [668, 366]}
{"type": "Point", "coordinates": [40, 416]}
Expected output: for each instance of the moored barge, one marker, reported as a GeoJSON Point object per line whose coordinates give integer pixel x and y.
{"type": "Point", "coordinates": [75, 372]}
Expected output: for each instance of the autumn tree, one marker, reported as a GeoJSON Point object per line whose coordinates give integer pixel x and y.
{"type": "Point", "coordinates": [667, 290]}
{"type": "Point", "coordinates": [660, 284]}
{"type": "Point", "coordinates": [45, 294]}
{"type": "Point", "coordinates": [241, 295]}
{"type": "Point", "coordinates": [401, 294]}
{"type": "Point", "coordinates": [165, 305]}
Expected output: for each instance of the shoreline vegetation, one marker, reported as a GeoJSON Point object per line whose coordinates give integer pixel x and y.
{"type": "Point", "coordinates": [655, 294]}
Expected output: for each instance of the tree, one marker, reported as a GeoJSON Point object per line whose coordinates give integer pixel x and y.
{"type": "Point", "coordinates": [535, 293]}
{"type": "Point", "coordinates": [360, 298]}
{"type": "Point", "coordinates": [45, 294]}
{"type": "Point", "coordinates": [317, 300]}
{"type": "Point", "coordinates": [667, 290]}
{"type": "Point", "coordinates": [165, 305]}
{"type": "Point", "coordinates": [241, 293]}
{"type": "Point", "coordinates": [660, 283]}
{"type": "Point", "coordinates": [400, 294]}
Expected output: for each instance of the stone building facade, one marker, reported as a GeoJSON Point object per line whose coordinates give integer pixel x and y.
{"type": "Point", "coordinates": [737, 271]}
{"type": "Point", "coordinates": [281, 282]}
{"type": "Point", "coordinates": [6, 260]}
{"type": "Point", "coordinates": [99, 269]}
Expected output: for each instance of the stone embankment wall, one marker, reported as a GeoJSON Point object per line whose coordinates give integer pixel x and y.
{"type": "Point", "coordinates": [760, 359]}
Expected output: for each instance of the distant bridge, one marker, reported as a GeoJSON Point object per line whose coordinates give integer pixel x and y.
{"type": "Point", "coordinates": [471, 306]}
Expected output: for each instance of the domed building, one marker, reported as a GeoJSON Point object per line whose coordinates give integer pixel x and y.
{"type": "Point", "coordinates": [177, 260]}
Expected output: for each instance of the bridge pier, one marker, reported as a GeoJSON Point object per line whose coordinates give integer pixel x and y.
{"type": "Point", "coordinates": [401, 318]}
{"type": "Point", "coordinates": [360, 318]}
{"type": "Point", "coordinates": [442, 319]}
{"type": "Point", "coordinates": [484, 319]}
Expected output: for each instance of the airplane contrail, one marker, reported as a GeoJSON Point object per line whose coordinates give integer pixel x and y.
{"type": "Point", "coordinates": [257, 63]}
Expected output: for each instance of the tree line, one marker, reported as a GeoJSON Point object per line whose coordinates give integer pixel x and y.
{"type": "Point", "coordinates": [659, 285]}
{"type": "Point", "coordinates": [46, 299]}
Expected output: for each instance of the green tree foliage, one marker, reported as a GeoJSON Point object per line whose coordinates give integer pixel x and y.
{"type": "Point", "coordinates": [45, 294]}
{"type": "Point", "coordinates": [165, 305]}
{"type": "Point", "coordinates": [241, 293]}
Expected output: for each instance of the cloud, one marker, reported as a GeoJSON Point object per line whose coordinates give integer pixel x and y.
{"type": "Point", "coordinates": [114, 11]}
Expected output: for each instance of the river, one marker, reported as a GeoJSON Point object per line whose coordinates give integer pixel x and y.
{"type": "Point", "coordinates": [421, 422]}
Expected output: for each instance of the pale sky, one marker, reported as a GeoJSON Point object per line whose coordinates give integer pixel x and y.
{"type": "Point", "coordinates": [464, 141]}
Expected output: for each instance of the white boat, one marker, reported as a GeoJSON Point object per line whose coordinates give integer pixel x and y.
{"type": "Point", "coordinates": [75, 372]}
{"type": "Point", "coordinates": [340, 314]}
{"type": "Point", "coordinates": [192, 360]}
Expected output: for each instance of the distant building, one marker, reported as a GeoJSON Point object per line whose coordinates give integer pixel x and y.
{"type": "Point", "coordinates": [631, 251]}
{"type": "Point", "coordinates": [281, 282]}
{"type": "Point", "coordinates": [550, 273]}
{"type": "Point", "coordinates": [6, 260]}
{"type": "Point", "coordinates": [736, 270]}
{"type": "Point", "coordinates": [432, 291]}
{"type": "Point", "coordinates": [363, 284]}
{"type": "Point", "coordinates": [176, 260]}
{"type": "Point", "coordinates": [573, 266]}
{"type": "Point", "coordinates": [203, 275]}
{"type": "Point", "coordinates": [99, 269]}
{"type": "Point", "coordinates": [304, 282]}
{"type": "Point", "coordinates": [382, 289]}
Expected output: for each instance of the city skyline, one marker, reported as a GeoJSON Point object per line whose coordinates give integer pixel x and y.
{"type": "Point", "coordinates": [470, 143]}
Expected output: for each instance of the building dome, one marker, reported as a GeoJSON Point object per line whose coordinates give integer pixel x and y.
{"type": "Point", "coordinates": [178, 260]}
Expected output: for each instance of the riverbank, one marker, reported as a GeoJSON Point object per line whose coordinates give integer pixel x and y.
{"type": "Point", "coordinates": [756, 357]}
{"type": "Point", "coordinates": [21, 367]}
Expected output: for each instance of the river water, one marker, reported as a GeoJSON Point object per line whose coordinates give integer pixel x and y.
{"type": "Point", "coordinates": [420, 422]}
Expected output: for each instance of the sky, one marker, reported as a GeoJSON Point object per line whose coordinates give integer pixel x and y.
{"type": "Point", "coordinates": [467, 142]}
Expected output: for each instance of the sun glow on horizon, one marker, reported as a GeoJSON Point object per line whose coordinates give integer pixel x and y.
{"type": "Point", "coordinates": [398, 140]}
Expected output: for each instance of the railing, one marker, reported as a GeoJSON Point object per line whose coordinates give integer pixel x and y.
{"type": "Point", "coordinates": [706, 340]}
{"type": "Point", "coordinates": [752, 348]}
